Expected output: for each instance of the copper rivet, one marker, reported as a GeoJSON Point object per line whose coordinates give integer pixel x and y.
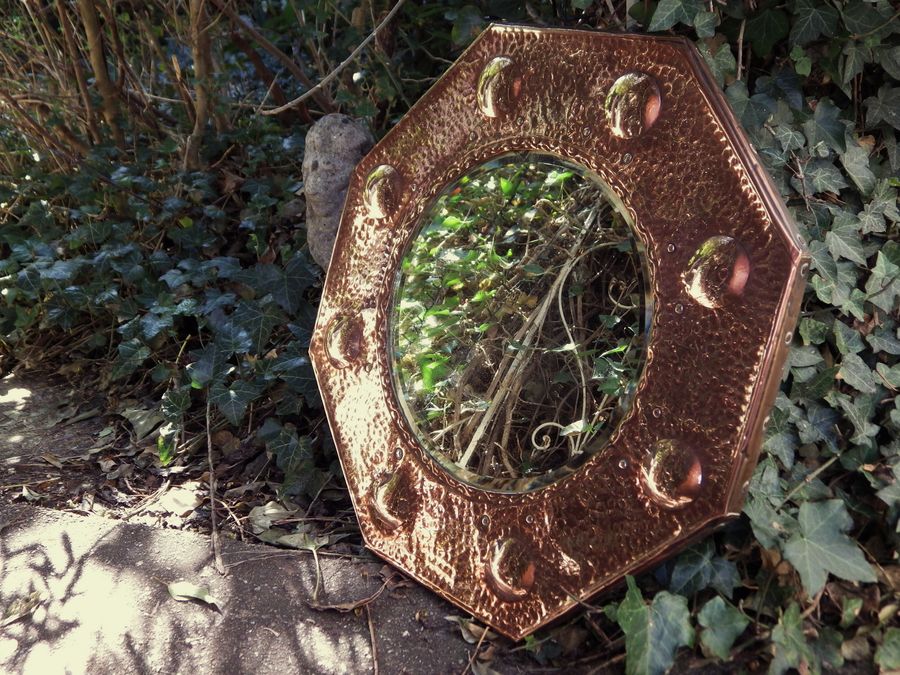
{"type": "Point", "coordinates": [529, 519]}
{"type": "Point", "coordinates": [670, 248]}
{"type": "Point", "coordinates": [623, 463]}
{"type": "Point", "coordinates": [657, 412]}
{"type": "Point", "coordinates": [679, 308]}
{"type": "Point", "coordinates": [398, 453]}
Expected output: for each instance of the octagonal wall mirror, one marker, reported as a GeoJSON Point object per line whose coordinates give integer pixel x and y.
{"type": "Point", "coordinates": [554, 321]}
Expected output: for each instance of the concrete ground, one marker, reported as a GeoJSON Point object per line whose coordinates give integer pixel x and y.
{"type": "Point", "coordinates": [91, 596]}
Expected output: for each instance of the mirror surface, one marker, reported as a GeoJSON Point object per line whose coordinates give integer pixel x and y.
{"type": "Point", "coordinates": [520, 322]}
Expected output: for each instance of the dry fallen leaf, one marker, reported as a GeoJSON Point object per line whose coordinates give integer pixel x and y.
{"type": "Point", "coordinates": [20, 608]}
{"type": "Point", "coordinates": [181, 500]}
{"type": "Point", "coordinates": [182, 591]}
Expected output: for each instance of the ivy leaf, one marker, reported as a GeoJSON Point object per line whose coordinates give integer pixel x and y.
{"type": "Point", "coordinates": [826, 126]}
{"type": "Point", "coordinates": [859, 412]}
{"type": "Point", "coordinates": [752, 111]}
{"type": "Point", "coordinates": [884, 341]}
{"type": "Point", "coordinates": [295, 369]}
{"type": "Point", "coordinates": [860, 18]}
{"type": "Point", "coordinates": [822, 547]}
{"type": "Point", "coordinates": [844, 242]}
{"type": "Point", "coordinates": [654, 632]}
{"type": "Point", "coordinates": [175, 402]}
{"type": "Point", "coordinates": [208, 365]}
{"type": "Point", "coordinates": [232, 401]}
{"type": "Point", "coordinates": [467, 24]}
{"type": "Point", "coordinates": [722, 63]}
{"type": "Point", "coordinates": [855, 57]}
{"type": "Point", "coordinates": [883, 284]}
{"type": "Point", "coordinates": [705, 24]}
{"type": "Point", "coordinates": [812, 19]}
{"type": "Point", "coordinates": [889, 59]}
{"type": "Point", "coordinates": [723, 624]}
{"type": "Point", "coordinates": [766, 29]}
{"type": "Point", "coordinates": [288, 450]}
{"type": "Point", "coordinates": [857, 374]}
{"type": "Point", "coordinates": [871, 220]}
{"type": "Point", "coordinates": [155, 322]}
{"type": "Point", "coordinates": [258, 319]}
{"type": "Point", "coordinates": [791, 649]}
{"type": "Point", "coordinates": [856, 164]}
{"type": "Point", "coordinates": [297, 277]}
{"type": "Point", "coordinates": [823, 176]}
{"type": "Point", "coordinates": [131, 355]}
{"type": "Point", "coordinates": [789, 138]}
{"type": "Point", "coordinates": [670, 12]}
{"type": "Point", "coordinates": [692, 569]}
{"type": "Point", "coordinates": [847, 340]}
{"type": "Point", "coordinates": [888, 654]}
{"type": "Point", "coordinates": [884, 107]}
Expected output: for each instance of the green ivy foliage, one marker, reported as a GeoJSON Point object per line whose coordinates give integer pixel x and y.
{"type": "Point", "coordinates": [196, 286]}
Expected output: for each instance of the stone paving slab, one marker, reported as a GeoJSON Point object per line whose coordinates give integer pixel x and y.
{"type": "Point", "coordinates": [100, 587]}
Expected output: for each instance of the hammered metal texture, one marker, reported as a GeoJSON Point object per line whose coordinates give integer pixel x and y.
{"type": "Point", "coordinates": [671, 150]}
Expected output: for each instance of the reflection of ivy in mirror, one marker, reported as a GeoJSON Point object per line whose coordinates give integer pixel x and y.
{"type": "Point", "coordinates": [517, 330]}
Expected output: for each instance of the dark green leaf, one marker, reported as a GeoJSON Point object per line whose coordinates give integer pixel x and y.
{"type": "Point", "coordinates": [791, 649]}
{"type": "Point", "coordinates": [670, 12]}
{"type": "Point", "coordinates": [844, 242]}
{"type": "Point", "coordinates": [822, 547]}
{"type": "Point", "coordinates": [131, 355]}
{"type": "Point", "coordinates": [723, 624]}
{"type": "Point", "coordinates": [721, 62]}
{"type": "Point", "coordinates": [232, 401]}
{"type": "Point", "coordinates": [752, 111]}
{"type": "Point", "coordinates": [857, 374]}
{"type": "Point", "coordinates": [811, 20]}
{"type": "Point", "coordinates": [856, 164]}
{"type": "Point", "coordinates": [175, 402]}
{"type": "Point", "coordinates": [884, 107]}
{"type": "Point", "coordinates": [654, 632]}
{"type": "Point", "coordinates": [258, 319]}
{"type": "Point", "coordinates": [888, 654]}
{"type": "Point", "coordinates": [767, 28]}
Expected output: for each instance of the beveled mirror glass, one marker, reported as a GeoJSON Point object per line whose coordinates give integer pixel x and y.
{"type": "Point", "coordinates": [520, 322]}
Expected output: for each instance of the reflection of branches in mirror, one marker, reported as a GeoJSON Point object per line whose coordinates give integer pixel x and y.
{"type": "Point", "coordinates": [517, 328]}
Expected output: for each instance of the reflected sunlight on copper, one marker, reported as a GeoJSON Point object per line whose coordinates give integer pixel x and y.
{"type": "Point", "coordinates": [723, 260]}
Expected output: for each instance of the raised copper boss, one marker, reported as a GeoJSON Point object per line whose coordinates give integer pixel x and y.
{"type": "Point", "coordinates": [726, 273]}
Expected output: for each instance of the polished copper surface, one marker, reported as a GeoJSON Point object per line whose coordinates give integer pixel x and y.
{"type": "Point", "coordinates": [726, 275]}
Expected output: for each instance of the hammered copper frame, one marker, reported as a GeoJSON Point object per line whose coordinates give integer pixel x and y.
{"type": "Point", "coordinates": [687, 176]}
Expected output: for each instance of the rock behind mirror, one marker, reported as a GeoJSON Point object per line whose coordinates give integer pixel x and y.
{"type": "Point", "coordinates": [334, 146]}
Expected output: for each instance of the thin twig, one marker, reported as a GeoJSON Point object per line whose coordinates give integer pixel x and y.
{"type": "Point", "coordinates": [336, 71]}
{"type": "Point", "coordinates": [372, 638]}
{"type": "Point", "coordinates": [484, 632]}
{"type": "Point", "coordinates": [217, 547]}
{"type": "Point", "coordinates": [284, 59]}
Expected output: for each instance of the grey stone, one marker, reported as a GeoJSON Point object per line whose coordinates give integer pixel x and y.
{"type": "Point", "coordinates": [334, 146]}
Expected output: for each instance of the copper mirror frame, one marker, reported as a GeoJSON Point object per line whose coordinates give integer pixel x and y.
{"type": "Point", "coordinates": [726, 277]}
